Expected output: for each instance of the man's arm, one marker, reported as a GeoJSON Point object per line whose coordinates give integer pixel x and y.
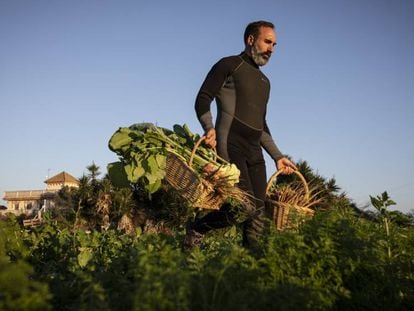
{"type": "Point", "coordinates": [282, 162]}
{"type": "Point", "coordinates": [269, 144]}
{"type": "Point", "coordinates": [211, 86]}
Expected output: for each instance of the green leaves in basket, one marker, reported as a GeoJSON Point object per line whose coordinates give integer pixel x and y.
{"type": "Point", "coordinates": [121, 140]}
{"type": "Point", "coordinates": [143, 150]}
{"type": "Point", "coordinates": [149, 172]}
{"type": "Point", "coordinates": [134, 172]}
{"type": "Point", "coordinates": [154, 168]}
{"type": "Point", "coordinates": [118, 175]}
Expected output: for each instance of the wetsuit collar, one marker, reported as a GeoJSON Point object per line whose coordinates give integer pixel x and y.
{"type": "Point", "coordinates": [248, 59]}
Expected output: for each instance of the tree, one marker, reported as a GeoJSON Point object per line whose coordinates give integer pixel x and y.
{"type": "Point", "coordinates": [93, 171]}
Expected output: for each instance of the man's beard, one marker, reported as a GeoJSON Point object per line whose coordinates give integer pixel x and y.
{"type": "Point", "coordinates": [258, 57]}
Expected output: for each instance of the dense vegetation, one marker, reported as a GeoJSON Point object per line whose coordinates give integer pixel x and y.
{"type": "Point", "coordinates": [105, 248]}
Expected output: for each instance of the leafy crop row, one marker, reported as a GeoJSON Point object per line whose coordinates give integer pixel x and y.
{"type": "Point", "coordinates": [335, 261]}
{"type": "Point", "coordinates": [105, 248]}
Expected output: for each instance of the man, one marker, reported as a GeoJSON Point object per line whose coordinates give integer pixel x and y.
{"type": "Point", "coordinates": [241, 92]}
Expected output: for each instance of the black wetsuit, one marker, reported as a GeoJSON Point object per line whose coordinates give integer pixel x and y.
{"type": "Point", "coordinates": [241, 91]}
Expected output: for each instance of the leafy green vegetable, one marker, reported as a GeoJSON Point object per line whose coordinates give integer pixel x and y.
{"type": "Point", "coordinates": [118, 175]}
{"type": "Point", "coordinates": [143, 149]}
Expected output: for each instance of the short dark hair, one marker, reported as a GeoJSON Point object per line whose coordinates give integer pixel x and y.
{"type": "Point", "coordinates": [254, 27]}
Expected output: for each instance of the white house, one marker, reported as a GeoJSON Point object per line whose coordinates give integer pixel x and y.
{"type": "Point", "coordinates": [30, 201]}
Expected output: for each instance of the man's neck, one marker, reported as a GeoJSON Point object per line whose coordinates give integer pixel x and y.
{"type": "Point", "coordinates": [247, 57]}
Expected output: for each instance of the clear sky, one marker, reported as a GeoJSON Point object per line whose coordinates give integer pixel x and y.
{"type": "Point", "coordinates": [342, 98]}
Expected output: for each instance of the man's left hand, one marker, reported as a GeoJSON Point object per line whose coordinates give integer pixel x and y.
{"type": "Point", "coordinates": [286, 166]}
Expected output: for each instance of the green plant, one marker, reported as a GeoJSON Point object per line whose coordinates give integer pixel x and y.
{"type": "Point", "coordinates": [381, 204]}
{"type": "Point", "coordinates": [338, 260]}
{"type": "Point", "coordinates": [143, 150]}
{"type": "Point", "coordinates": [20, 288]}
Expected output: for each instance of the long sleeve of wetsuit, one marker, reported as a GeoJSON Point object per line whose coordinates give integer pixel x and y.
{"type": "Point", "coordinates": [269, 144]}
{"type": "Point", "coordinates": [210, 88]}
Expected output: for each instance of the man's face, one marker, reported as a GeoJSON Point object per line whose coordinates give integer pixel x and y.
{"type": "Point", "coordinates": [262, 47]}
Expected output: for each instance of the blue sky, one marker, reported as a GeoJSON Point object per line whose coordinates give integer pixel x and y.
{"type": "Point", "coordinates": [72, 72]}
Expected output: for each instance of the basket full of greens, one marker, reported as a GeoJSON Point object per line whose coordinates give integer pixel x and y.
{"type": "Point", "coordinates": [155, 157]}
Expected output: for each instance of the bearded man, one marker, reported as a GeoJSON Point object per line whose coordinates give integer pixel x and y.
{"type": "Point", "coordinates": [241, 91]}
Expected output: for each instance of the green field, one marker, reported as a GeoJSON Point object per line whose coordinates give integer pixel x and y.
{"type": "Point", "coordinates": [341, 259]}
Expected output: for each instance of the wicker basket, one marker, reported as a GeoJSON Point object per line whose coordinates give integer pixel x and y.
{"type": "Point", "coordinates": [186, 182]}
{"type": "Point", "coordinates": [287, 212]}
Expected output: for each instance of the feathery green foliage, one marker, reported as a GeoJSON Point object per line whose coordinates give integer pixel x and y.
{"type": "Point", "coordinates": [338, 260]}
{"type": "Point", "coordinates": [334, 261]}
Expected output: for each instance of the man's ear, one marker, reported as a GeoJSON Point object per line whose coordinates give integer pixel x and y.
{"type": "Point", "coordinates": [250, 40]}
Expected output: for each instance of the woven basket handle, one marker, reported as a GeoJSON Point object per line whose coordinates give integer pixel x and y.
{"type": "Point", "coordinates": [277, 173]}
{"type": "Point", "coordinates": [202, 138]}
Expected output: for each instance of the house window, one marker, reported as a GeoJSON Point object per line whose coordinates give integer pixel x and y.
{"type": "Point", "coordinates": [29, 205]}
{"type": "Point", "coordinates": [16, 206]}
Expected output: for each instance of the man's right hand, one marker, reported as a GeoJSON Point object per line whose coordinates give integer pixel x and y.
{"type": "Point", "coordinates": [211, 138]}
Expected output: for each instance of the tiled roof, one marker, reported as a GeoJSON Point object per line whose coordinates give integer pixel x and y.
{"type": "Point", "coordinates": [62, 177]}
